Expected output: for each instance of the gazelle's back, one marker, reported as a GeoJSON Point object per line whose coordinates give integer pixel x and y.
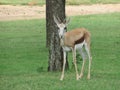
{"type": "Point", "coordinates": [76, 36]}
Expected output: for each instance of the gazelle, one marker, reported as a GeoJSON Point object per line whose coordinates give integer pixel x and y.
{"type": "Point", "coordinates": [74, 40]}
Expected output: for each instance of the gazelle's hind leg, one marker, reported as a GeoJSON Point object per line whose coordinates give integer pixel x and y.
{"type": "Point", "coordinates": [82, 53]}
{"type": "Point", "coordinates": [87, 48]}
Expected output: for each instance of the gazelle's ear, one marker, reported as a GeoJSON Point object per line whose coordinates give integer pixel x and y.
{"type": "Point", "coordinates": [67, 21]}
{"type": "Point", "coordinates": [56, 21]}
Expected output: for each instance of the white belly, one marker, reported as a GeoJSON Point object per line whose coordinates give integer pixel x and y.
{"type": "Point", "coordinates": [77, 46]}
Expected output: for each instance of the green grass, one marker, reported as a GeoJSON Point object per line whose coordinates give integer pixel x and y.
{"type": "Point", "coordinates": [21, 2]}
{"type": "Point", "coordinates": [78, 2]}
{"type": "Point", "coordinates": [69, 2]}
{"type": "Point", "coordinates": [24, 57]}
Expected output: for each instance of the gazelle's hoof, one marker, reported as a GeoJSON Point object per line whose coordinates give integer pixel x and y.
{"type": "Point", "coordinates": [81, 75]}
{"type": "Point", "coordinates": [77, 77]}
{"type": "Point", "coordinates": [88, 77]}
{"type": "Point", "coordinates": [61, 79]}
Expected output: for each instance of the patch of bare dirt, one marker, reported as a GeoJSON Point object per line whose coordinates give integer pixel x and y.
{"type": "Point", "coordinates": [9, 12]}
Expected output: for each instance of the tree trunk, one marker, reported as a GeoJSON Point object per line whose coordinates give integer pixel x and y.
{"type": "Point", "coordinates": [57, 8]}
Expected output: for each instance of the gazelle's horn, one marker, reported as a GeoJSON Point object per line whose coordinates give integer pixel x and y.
{"type": "Point", "coordinates": [55, 19]}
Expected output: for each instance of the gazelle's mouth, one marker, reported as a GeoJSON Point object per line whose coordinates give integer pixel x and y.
{"type": "Point", "coordinates": [61, 37]}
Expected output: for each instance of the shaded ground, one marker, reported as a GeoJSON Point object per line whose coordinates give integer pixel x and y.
{"type": "Point", "coordinates": [9, 12]}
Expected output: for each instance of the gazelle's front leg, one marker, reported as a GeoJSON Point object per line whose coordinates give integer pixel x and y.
{"type": "Point", "coordinates": [74, 60]}
{"type": "Point", "coordinates": [64, 62]}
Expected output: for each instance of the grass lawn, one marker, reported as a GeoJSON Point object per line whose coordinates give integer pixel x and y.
{"type": "Point", "coordinates": [69, 2]}
{"type": "Point", "coordinates": [78, 2]}
{"type": "Point", "coordinates": [24, 57]}
{"type": "Point", "coordinates": [22, 2]}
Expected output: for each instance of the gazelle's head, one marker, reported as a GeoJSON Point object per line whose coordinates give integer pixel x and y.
{"type": "Point", "coordinates": [61, 25]}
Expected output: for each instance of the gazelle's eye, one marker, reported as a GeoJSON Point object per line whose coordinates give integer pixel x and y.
{"type": "Point", "coordinates": [65, 28]}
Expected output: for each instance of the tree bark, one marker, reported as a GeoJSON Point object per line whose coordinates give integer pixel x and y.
{"type": "Point", "coordinates": [57, 8]}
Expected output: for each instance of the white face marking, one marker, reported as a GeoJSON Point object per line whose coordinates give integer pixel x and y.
{"type": "Point", "coordinates": [61, 30]}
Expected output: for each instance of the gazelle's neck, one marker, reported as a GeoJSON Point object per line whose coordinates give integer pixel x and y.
{"type": "Point", "coordinates": [62, 40]}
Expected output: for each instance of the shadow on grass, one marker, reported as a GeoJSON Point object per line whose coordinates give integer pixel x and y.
{"type": "Point", "coordinates": [40, 69]}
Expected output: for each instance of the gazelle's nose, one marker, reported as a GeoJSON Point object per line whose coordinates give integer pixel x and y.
{"type": "Point", "coordinates": [61, 36]}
